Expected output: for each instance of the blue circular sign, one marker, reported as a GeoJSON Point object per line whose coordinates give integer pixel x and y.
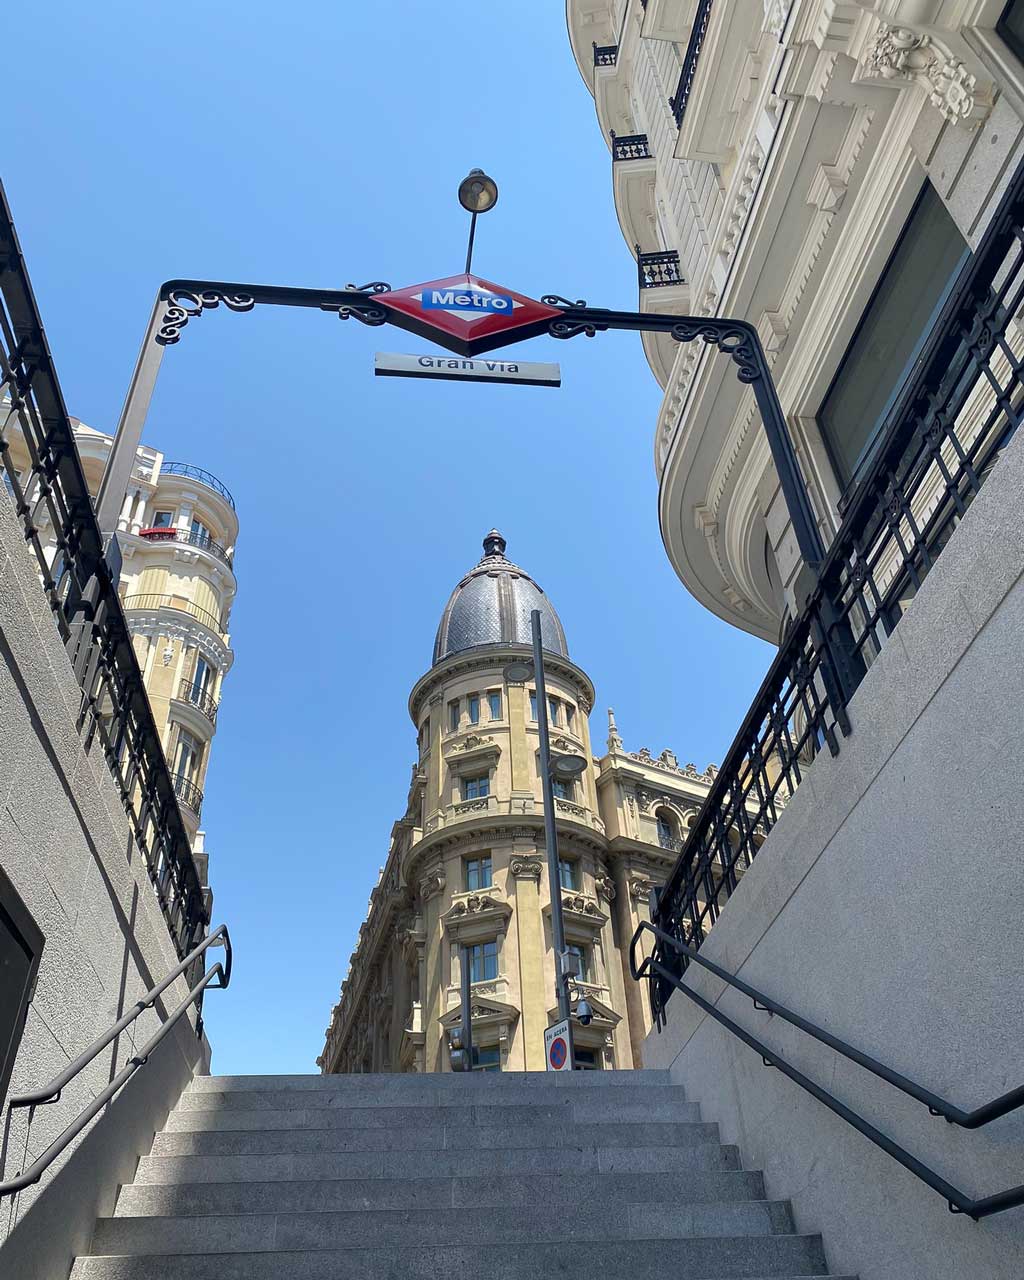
{"type": "Point", "coordinates": [558, 1053]}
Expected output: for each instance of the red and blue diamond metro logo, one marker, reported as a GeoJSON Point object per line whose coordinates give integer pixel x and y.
{"type": "Point", "coordinates": [466, 314]}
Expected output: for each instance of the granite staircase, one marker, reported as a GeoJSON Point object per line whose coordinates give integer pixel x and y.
{"type": "Point", "coordinates": [508, 1176]}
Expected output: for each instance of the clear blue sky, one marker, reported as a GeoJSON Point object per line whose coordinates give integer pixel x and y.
{"type": "Point", "coordinates": [317, 144]}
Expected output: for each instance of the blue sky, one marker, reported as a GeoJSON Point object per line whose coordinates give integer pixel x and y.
{"type": "Point", "coordinates": [321, 144]}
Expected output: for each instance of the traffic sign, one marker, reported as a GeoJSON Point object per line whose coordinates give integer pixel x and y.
{"type": "Point", "coordinates": [466, 314]}
{"type": "Point", "coordinates": [387, 364]}
{"type": "Point", "coordinates": [558, 1047]}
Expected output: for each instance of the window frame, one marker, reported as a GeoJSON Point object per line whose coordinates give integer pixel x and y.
{"type": "Point", "coordinates": [563, 790]}
{"type": "Point", "coordinates": [573, 865]}
{"type": "Point", "coordinates": [171, 516]}
{"type": "Point", "coordinates": [473, 708]}
{"type": "Point", "coordinates": [477, 864]}
{"type": "Point", "coordinates": [493, 1064]}
{"type": "Point", "coordinates": [494, 699]}
{"type": "Point", "coordinates": [454, 714]}
{"type": "Point", "coordinates": [581, 950]}
{"type": "Point", "coordinates": [533, 706]}
{"type": "Point", "coordinates": [471, 949]}
{"type": "Point", "coordinates": [1008, 36]}
{"type": "Point", "coordinates": [474, 781]}
{"type": "Point", "coordinates": [14, 912]}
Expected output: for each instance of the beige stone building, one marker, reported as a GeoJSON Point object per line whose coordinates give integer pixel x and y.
{"type": "Point", "coordinates": [176, 534]}
{"type": "Point", "coordinates": [467, 862]}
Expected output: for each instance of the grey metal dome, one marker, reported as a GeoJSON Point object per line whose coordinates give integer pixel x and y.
{"type": "Point", "coordinates": [492, 605]}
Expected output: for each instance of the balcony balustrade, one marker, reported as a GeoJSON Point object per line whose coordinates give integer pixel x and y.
{"type": "Point", "coordinates": [656, 270]}
{"type": "Point", "coordinates": [630, 146]}
{"type": "Point", "coordinates": [199, 698]}
{"type": "Point", "coordinates": [698, 32]}
{"type": "Point", "coordinates": [191, 537]}
{"type": "Point", "coordinates": [200, 476]}
{"type": "Point", "coordinates": [145, 602]}
{"type": "Point", "coordinates": [189, 794]}
{"type": "Point", "coordinates": [605, 55]}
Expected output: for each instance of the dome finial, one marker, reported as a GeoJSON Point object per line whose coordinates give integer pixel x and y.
{"type": "Point", "coordinates": [494, 544]}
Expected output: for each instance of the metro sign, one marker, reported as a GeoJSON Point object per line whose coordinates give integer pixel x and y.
{"type": "Point", "coordinates": [466, 314]}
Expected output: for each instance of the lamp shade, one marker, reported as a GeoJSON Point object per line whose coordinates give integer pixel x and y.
{"type": "Point", "coordinates": [478, 192]}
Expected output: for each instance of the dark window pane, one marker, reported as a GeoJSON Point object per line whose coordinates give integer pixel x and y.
{"type": "Point", "coordinates": [1011, 26]}
{"type": "Point", "coordinates": [893, 330]}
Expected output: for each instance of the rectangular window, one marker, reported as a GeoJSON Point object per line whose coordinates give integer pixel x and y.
{"type": "Point", "coordinates": [483, 961]}
{"type": "Point", "coordinates": [570, 717]}
{"type": "Point", "coordinates": [533, 704]}
{"type": "Point", "coordinates": [473, 703]}
{"type": "Point", "coordinates": [186, 760]}
{"type": "Point", "coordinates": [163, 520]}
{"type": "Point", "coordinates": [424, 735]}
{"type": "Point", "coordinates": [586, 1060]}
{"type": "Point", "coordinates": [478, 872]}
{"type": "Point", "coordinates": [200, 535]}
{"type": "Point", "coordinates": [562, 790]}
{"type": "Point", "coordinates": [584, 960]}
{"type": "Point", "coordinates": [476, 788]}
{"type": "Point", "coordinates": [1011, 26]}
{"type": "Point", "coordinates": [487, 1058]}
{"type": "Point", "coordinates": [569, 874]}
{"type": "Point", "coordinates": [553, 705]}
{"type": "Point", "coordinates": [21, 944]}
{"type": "Point", "coordinates": [453, 715]}
{"type": "Point", "coordinates": [893, 330]}
{"type": "Point", "coordinates": [494, 698]}
{"type": "Point", "coordinates": [202, 679]}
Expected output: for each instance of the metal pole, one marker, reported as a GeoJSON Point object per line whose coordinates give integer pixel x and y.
{"type": "Point", "coordinates": [550, 837]}
{"type": "Point", "coordinates": [121, 462]}
{"type": "Point", "coordinates": [469, 251]}
{"type": "Point", "coordinates": [467, 1008]}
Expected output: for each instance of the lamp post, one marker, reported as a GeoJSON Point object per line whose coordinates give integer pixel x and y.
{"type": "Point", "coordinates": [477, 194]}
{"type": "Point", "coordinates": [564, 768]}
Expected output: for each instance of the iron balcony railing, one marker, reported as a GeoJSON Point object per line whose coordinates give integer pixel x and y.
{"type": "Point", "coordinates": [605, 55]}
{"type": "Point", "coordinates": [655, 270]}
{"type": "Point", "coordinates": [631, 146]}
{"type": "Point", "coordinates": [191, 537]}
{"type": "Point", "coordinates": [674, 843]}
{"type": "Point", "coordinates": [79, 578]}
{"type": "Point", "coordinates": [139, 603]}
{"type": "Point", "coordinates": [188, 691]}
{"type": "Point", "coordinates": [198, 474]}
{"type": "Point", "coordinates": [677, 103]}
{"type": "Point", "coordinates": [188, 793]}
{"type": "Point", "coordinates": [961, 405]}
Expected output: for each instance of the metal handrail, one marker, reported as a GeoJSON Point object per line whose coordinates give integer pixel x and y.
{"type": "Point", "coordinates": [51, 1092]}
{"type": "Point", "coordinates": [193, 537]}
{"type": "Point", "coordinates": [957, 1200]}
{"type": "Point", "coordinates": [206, 478]}
{"type": "Point", "coordinates": [188, 793]}
{"type": "Point", "coordinates": [189, 691]}
{"type": "Point", "coordinates": [155, 601]}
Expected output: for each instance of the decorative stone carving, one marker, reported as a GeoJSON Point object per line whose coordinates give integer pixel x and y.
{"type": "Point", "coordinates": [472, 742]}
{"type": "Point", "coordinates": [643, 799]}
{"type": "Point", "coordinates": [478, 902]}
{"type": "Point", "coordinates": [640, 890]}
{"type": "Point", "coordinates": [615, 742]}
{"type": "Point", "coordinates": [580, 905]}
{"type": "Point", "coordinates": [567, 806]}
{"type": "Point", "coordinates": [899, 53]}
{"type": "Point", "coordinates": [525, 868]}
{"type": "Point", "coordinates": [606, 888]}
{"type": "Point", "coordinates": [431, 885]}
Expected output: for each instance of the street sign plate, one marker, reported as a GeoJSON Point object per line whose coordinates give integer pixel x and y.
{"type": "Point", "coordinates": [388, 364]}
{"type": "Point", "coordinates": [556, 1047]}
{"type": "Point", "coordinates": [466, 314]}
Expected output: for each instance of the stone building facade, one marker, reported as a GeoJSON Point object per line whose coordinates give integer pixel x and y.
{"type": "Point", "coordinates": [176, 535]}
{"type": "Point", "coordinates": [467, 862]}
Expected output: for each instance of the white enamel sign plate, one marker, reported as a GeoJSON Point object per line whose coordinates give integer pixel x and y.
{"type": "Point", "coordinates": [392, 365]}
{"type": "Point", "coordinates": [556, 1047]}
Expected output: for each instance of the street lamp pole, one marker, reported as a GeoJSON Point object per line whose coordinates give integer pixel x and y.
{"type": "Point", "coordinates": [550, 835]}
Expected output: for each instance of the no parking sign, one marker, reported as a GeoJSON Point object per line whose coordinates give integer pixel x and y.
{"type": "Point", "coordinates": [557, 1050]}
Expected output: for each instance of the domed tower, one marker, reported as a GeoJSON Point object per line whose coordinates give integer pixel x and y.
{"type": "Point", "coordinates": [480, 871]}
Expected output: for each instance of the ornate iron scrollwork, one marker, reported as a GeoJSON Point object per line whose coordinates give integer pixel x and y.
{"type": "Point", "coordinates": [364, 312]}
{"type": "Point", "coordinates": [732, 340]}
{"type": "Point", "coordinates": [183, 304]}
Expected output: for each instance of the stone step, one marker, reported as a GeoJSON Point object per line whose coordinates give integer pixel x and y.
{"type": "Point", "coordinates": [490, 1080]}
{"type": "Point", "coordinates": [537, 1094]}
{"type": "Point", "coordinates": [213, 1139]}
{"type": "Point", "coordinates": [406, 1119]}
{"type": "Point", "coordinates": [302, 1166]}
{"type": "Point", "coordinates": [700, 1258]}
{"type": "Point", "coordinates": [742, 1191]}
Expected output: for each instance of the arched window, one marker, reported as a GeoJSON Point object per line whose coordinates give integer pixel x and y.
{"type": "Point", "coordinates": [668, 830]}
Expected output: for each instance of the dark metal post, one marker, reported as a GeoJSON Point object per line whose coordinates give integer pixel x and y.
{"type": "Point", "coordinates": [550, 836]}
{"type": "Point", "coordinates": [472, 236]}
{"type": "Point", "coordinates": [467, 1006]}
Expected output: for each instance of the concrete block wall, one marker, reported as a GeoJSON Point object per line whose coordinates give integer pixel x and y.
{"type": "Point", "coordinates": [886, 906]}
{"type": "Point", "coordinates": [65, 845]}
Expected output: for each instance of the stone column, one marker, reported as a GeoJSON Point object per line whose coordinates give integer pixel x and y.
{"type": "Point", "coordinates": [525, 869]}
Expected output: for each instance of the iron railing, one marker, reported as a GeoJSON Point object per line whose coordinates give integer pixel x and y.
{"type": "Point", "coordinates": [149, 601]}
{"type": "Point", "coordinates": [189, 691]}
{"type": "Point", "coordinates": [188, 793]}
{"type": "Point", "coordinates": [677, 103]}
{"type": "Point", "coordinates": [960, 406]}
{"type": "Point", "coordinates": [630, 146]}
{"type": "Point", "coordinates": [191, 967]}
{"type": "Point", "coordinates": [653, 966]}
{"type": "Point", "coordinates": [192, 537]}
{"type": "Point", "coordinates": [203, 477]}
{"type": "Point", "coordinates": [605, 55]}
{"type": "Point", "coordinates": [654, 270]}
{"type": "Point", "coordinates": [666, 841]}
{"type": "Point", "coordinates": [79, 578]}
